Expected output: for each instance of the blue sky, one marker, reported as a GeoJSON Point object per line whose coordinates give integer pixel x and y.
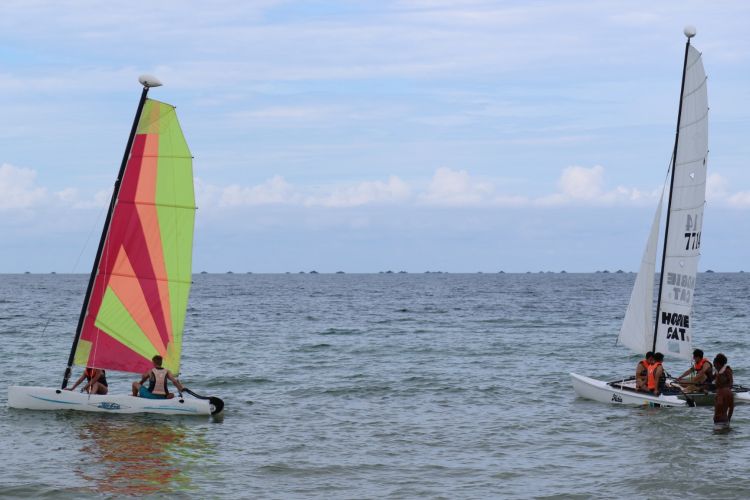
{"type": "Point", "coordinates": [365, 136]}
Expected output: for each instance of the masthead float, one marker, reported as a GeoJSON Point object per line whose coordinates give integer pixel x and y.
{"type": "Point", "coordinates": [137, 294]}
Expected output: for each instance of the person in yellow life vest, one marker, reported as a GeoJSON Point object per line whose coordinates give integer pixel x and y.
{"type": "Point", "coordinates": [656, 378]}
{"type": "Point", "coordinates": [641, 372]}
{"type": "Point", "coordinates": [700, 375]}
{"type": "Point", "coordinates": [96, 381]}
{"type": "Point", "coordinates": [157, 385]}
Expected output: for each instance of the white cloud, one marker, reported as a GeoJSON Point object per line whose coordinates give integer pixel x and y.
{"type": "Point", "coordinates": [717, 187]}
{"type": "Point", "coordinates": [585, 186]}
{"type": "Point", "coordinates": [717, 191]}
{"type": "Point", "coordinates": [580, 183]}
{"type": "Point", "coordinates": [71, 197]}
{"type": "Point", "coordinates": [273, 191]}
{"type": "Point", "coordinates": [18, 189]}
{"type": "Point", "coordinates": [740, 200]}
{"type": "Point", "coordinates": [364, 193]}
{"type": "Point", "coordinates": [576, 186]}
{"type": "Point", "coordinates": [456, 187]}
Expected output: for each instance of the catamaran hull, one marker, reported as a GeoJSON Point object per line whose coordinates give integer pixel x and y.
{"type": "Point", "coordinates": [46, 398]}
{"type": "Point", "coordinates": [597, 390]}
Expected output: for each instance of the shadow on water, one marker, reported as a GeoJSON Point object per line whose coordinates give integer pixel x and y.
{"type": "Point", "coordinates": [139, 455]}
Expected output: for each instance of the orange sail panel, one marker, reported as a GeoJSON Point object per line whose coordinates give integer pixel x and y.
{"type": "Point", "coordinates": [139, 298]}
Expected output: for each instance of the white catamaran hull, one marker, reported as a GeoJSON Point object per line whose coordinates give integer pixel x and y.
{"type": "Point", "coordinates": [46, 398]}
{"type": "Point", "coordinates": [597, 390]}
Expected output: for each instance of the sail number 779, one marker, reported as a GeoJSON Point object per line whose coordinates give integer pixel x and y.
{"type": "Point", "coordinates": [692, 232]}
{"type": "Point", "coordinates": [693, 241]}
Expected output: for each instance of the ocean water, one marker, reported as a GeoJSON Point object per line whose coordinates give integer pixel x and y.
{"type": "Point", "coordinates": [380, 386]}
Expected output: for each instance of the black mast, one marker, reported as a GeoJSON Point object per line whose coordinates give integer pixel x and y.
{"type": "Point", "coordinates": [147, 83]}
{"type": "Point", "coordinates": [689, 34]}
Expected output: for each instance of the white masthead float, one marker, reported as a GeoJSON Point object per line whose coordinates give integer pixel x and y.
{"type": "Point", "coordinates": [136, 299]}
{"type": "Point", "coordinates": [671, 330]}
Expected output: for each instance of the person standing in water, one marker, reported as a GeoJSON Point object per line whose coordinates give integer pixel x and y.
{"type": "Point", "coordinates": [157, 386]}
{"type": "Point", "coordinates": [724, 402]}
{"type": "Point", "coordinates": [641, 372]}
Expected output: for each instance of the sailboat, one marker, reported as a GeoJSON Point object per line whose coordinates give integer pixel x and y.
{"type": "Point", "coordinates": [137, 294]}
{"type": "Point", "coordinates": [670, 331]}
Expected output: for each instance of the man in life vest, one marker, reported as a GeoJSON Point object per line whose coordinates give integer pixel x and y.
{"type": "Point", "coordinates": [157, 385]}
{"type": "Point", "coordinates": [96, 381]}
{"type": "Point", "coordinates": [656, 378]}
{"type": "Point", "coordinates": [699, 376]}
{"type": "Point", "coordinates": [641, 372]}
{"type": "Point", "coordinates": [724, 402]}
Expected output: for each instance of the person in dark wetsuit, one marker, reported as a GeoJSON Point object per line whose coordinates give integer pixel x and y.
{"type": "Point", "coordinates": [96, 381]}
{"type": "Point", "coordinates": [157, 386]}
{"type": "Point", "coordinates": [724, 402]}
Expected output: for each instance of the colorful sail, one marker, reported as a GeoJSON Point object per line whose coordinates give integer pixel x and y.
{"type": "Point", "coordinates": [675, 325]}
{"type": "Point", "coordinates": [139, 297]}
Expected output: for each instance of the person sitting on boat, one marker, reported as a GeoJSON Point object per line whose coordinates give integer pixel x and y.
{"type": "Point", "coordinates": [700, 374]}
{"type": "Point", "coordinates": [724, 401]}
{"type": "Point", "coordinates": [656, 377]}
{"type": "Point", "coordinates": [641, 372]}
{"type": "Point", "coordinates": [157, 386]}
{"type": "Point", "coordinates": [96, 381]}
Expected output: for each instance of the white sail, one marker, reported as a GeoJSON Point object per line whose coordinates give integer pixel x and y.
{"type": "Point", "coordinates": [675, 321]}
{"type": "Point", "coordinates": [637, 332]}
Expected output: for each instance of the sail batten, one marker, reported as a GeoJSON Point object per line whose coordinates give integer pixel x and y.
{"type": "Point", "coordinates": [139, 297]}
{"type": "Point", "coordinates": [153, 204]}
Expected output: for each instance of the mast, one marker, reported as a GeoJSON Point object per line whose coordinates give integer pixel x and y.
{"type": "Point", "coordinates": [689, 33]}
{"type": "Point", "coordinates": [147, 82]}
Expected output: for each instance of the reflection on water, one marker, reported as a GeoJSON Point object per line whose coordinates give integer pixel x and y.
{"type": "Point", "coordinates": [139, 455]}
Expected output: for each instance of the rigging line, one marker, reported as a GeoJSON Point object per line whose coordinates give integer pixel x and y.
{"type": "Point", "coordinates": [88, 238]}
{"type": "Point", "coordinates": [77, 261]}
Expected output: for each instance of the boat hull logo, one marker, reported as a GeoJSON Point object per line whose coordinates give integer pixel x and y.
{"type": "Point", "coordinates": [616, 398]}
{"type": "Point", "coordinates": [108, 406]}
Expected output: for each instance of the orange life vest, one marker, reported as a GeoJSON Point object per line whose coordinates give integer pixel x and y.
{"type": "Point", "coordinates": [700, 364]}
{"type": "Point", "coordinates": [645, 364]}
{"type": "Point", "coordinates": [651, 379]}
